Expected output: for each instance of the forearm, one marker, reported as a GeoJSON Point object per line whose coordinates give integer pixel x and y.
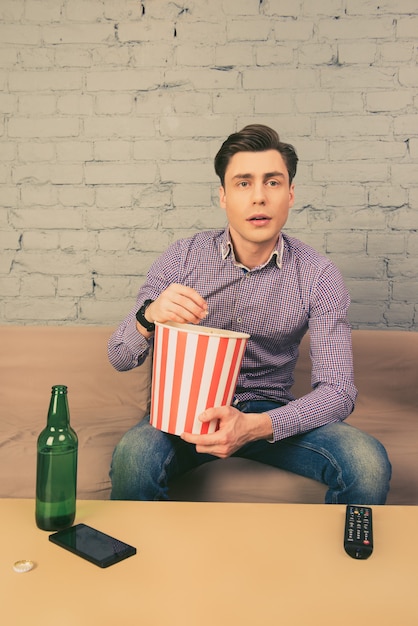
{"type": "Point", "coordinates": [127, 347]}
{"type": "Point", "coordinates": [323, 405]}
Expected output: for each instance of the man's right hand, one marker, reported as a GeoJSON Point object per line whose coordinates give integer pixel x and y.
{"type": "Point", "coordinates": [176, 304]}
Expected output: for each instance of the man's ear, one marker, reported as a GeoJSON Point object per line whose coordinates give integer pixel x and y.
{"type": "Point", "coordinates": [291, 195]}
{"type": "Point", "coordinates": [222, 197]}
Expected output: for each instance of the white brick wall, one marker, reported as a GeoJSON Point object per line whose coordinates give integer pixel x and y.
{"type": "Point", "coordinates": [111, 114]}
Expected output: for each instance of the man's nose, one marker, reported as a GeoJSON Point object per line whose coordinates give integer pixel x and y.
{"type": "Point", "coordinates": [259, 196]}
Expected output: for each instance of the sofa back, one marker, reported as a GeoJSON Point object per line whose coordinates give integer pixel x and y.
{"type": "Point", "coordinates": [105, 403]}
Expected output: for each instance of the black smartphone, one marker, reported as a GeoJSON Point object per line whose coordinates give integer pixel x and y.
{"type": "Point", "coordinates": [93, 545]}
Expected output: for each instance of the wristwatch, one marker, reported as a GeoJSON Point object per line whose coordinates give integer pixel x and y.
{"type": "Point", "coordinates": [140, 316]}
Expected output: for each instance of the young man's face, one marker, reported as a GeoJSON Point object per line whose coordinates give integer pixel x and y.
{"type": "Point", "coordinates": [256, 196]}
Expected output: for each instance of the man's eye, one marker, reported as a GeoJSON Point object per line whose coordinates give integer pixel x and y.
{"type": "Point", "coordinates": [243, 183]}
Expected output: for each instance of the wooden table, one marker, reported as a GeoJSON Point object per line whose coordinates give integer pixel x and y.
{"type": "Point", "coordinates": [212, 564]}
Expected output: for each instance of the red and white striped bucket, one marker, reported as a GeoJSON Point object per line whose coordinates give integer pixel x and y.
{"type": "Point", "coordinates": [194, 368]}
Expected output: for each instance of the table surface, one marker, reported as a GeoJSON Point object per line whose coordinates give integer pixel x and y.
{"type": "Point", "coordinates": [212, 564]}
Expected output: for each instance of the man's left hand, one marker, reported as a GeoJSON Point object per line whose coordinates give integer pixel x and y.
{"type": "Point", "coordinates": [235, 430]}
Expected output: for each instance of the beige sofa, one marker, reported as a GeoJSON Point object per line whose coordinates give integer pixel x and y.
{"type": "Point", "coordinates": [104, 403]}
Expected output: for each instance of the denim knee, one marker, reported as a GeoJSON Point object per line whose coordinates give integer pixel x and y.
{"type": "Point", "coordinates": [361, 467]}
{"type": "Point", "coordinates": [138, 464]}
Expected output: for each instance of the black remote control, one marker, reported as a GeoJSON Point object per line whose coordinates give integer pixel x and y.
{"type": "Point", "coordinates": [358, 533]}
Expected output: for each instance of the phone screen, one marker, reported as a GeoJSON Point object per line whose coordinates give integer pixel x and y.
{"type": "Point", "coordinates": [93, 545]}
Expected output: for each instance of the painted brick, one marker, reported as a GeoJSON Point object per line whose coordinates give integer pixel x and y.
{"type": "Point", "coordinates": [408, 76]}
{"type": "Point", "coordinates": [346, 242]}
{"type": "Point", "coordinates": [325, 7]}
{"type": "Point", "coordinates": [40, 58]}
{"type": "Point", "coordinates": [367, 149]}
{"type": "Point", "coordinates": [114, 103]}
{"type": "Point", "coordinates": [46, 218]}
{"type": "Point", "coordinates": [357, 53]}
{"type": "Point", "coordinates": [75, 104]}
{"type": "Point", "coordinates": [112, 150]}
{"type": "Point", "coordinates": [357, 125]}
{"type": "Point", "coordinates": [291, 78]}
{"type": "Point", "coordinates": [118, 126]}
{"type": "Point", "coordinates": [125, 80]}
{"type": "Point", "coordinates": [76, 151]}
{"type": "Point", "coordinates": [317, 102]}
{"type": "Point", "coordinates": [366, 7]}
{"type": "Point", "coordinates": [295, 30]}
{"type": "Point", "coordinates": [10, 286]}
{"type": "Point", "coordinates": [38, 286]}
{"type": "Point", "coordinates": [33, 81]}
{"type": "Point", "coordinates": [119, 173]}
{"type": "Point", "coordinates": [9, 240]}
{"type": "Point", "coordinates": [388, 196]}
{"type": "Point", "coordinates": [370, 314]}
{"type": "Point", "coordinates": [39, 103]}
{"type": "Point", "coordinates": [405, 290]}
{"type": "Point", "coordinates": [9, 199]}
{"type": "Point", "coordinates": [380, 244]}
{"type": "Point", "coordinates": [5, 173]}
{"type": "Point", "coordinates": [61, 262]}
{"type": "Point", "coordinates": [109, 219]}
{"type": "Point", "coordinates": [407, 26]}
{"type": "Point", "coordinates": [352, 28]}
{"type": "Point", "coordinates": [190, 54]}
{"type": "Point", "coordinates": [111, 115]}
{"type": "Point", "coordinates": [401, 315]}
{"type": "Point", "coordinates": [75, 286]}
{"type": "Point", "coordinates": [78, 34]}
{"type": "Point", "coordinates": [55, 173]}
{"type": "Point", "coordinates": [396, 52]}
{"type": "Point", "coordinates": [38, 195]}
{"type": "Point", "coordinates": [350, 171]}
{"type": "Point", "coordinates": [84, 10]}
{"type": "Point", "coordinates": [368, 290]}
{"type": "Point", "coordinates": [20, 34]}
{"type": "Point", "coordinates": [41, 310]}
{"type": "Point", "coordinates": [337, 78]}
{"type": "Point", "coordinates": [40, 240]}
{"type": "Point", "coordinates": [43, 127]}
{"type": "Point", "coordinates": [70, 196]}
{"type": "Point", "coordinates": [237, 54]}
{"type": "Point", "coordinates": [92, 311]}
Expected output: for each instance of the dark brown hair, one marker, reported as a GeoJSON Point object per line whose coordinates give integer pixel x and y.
{"type": "Point", "coordinates": [255, 138]}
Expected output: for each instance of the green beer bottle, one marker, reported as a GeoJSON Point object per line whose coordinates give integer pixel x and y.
{"type": "Point", "coordinates": [56, 469]}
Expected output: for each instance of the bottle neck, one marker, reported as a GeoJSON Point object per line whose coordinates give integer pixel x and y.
{"type": "Point", "coordinates": [58, 413]}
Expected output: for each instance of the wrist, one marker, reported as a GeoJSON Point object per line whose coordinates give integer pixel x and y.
{"type": "Point", "coordinates": [143, 319]}
{"type": "Point", "coordinates": [260, 426]}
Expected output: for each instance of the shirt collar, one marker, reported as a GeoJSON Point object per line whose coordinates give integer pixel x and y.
{"type": "Point", "coordinates": [228, 249]}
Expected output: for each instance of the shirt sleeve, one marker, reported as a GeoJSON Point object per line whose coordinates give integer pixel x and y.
{"type": "Point", "coordinates": [333, 392]}
{"type": "Point", "coordinates": [127, 348]}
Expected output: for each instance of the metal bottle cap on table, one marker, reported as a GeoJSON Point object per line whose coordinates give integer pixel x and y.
{"type": "Point", "coordinates": [23, 566]}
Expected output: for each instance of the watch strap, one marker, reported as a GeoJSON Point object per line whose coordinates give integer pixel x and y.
{"type": "Point", "coordinates": [140, 316]}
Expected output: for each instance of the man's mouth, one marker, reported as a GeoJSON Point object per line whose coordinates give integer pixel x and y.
{"type": "Point", "coordinates": [259, 218]}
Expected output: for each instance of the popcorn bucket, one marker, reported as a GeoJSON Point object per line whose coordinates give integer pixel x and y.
{"type": "Point", "coordinates": [194, 368]}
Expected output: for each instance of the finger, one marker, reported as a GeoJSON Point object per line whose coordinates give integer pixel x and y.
{"type": "Point", "coordinates": [184, 304]}
{"type": "Point", "coordinates": [190, 294]}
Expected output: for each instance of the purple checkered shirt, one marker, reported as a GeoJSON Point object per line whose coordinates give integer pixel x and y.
{"type": "Point", "coordinates": [277, 303]}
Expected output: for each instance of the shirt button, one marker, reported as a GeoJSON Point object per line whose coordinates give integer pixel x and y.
{"type": "Point", "coordinates": [239, 320]}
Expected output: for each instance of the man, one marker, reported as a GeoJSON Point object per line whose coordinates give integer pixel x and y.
{"type": "Point", "coordinates": [253, 278]}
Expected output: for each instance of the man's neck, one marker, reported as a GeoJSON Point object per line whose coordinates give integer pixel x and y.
{"type": "Point", "coordinates": [252, 255]}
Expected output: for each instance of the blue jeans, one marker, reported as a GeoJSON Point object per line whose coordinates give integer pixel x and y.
{"type": "Point", "coordinates": [353, 464]}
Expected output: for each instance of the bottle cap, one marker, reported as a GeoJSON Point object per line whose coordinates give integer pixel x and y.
{"type": "Point", "coordinates": [23, 566]}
